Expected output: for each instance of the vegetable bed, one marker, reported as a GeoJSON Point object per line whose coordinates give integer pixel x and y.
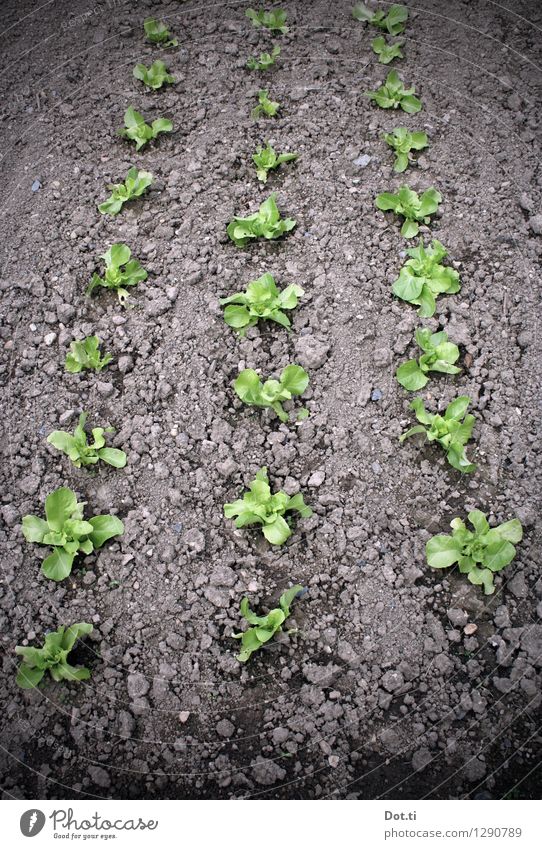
{"type": "Point", "coordinates": [271, 290]}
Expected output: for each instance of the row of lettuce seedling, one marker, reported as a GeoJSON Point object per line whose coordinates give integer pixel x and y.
{"type": "Point", "coordinates": [479, 553]}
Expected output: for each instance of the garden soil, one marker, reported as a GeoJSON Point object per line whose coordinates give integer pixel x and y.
{"type": "Point", "coordinates": [394, 680]}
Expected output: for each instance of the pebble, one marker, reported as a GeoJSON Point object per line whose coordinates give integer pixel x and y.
{"type": "Point", "coordinates": [317, 479]}
{"type": "Point", "coordinates": [363, 160]}
{"type": "Point", "coordinates": [137, 685]}
{"type": "Point", "coordinates": [36, 185]}
{"type": "Point", "coordinates": [225, 728]}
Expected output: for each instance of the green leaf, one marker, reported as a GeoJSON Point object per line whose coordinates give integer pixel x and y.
{"type": "Point", "coordinates": [411, 376]}
{"type": "Point", "coordinates": [113, 457]}
{"type": "Point", "coordinates": [409, 229]}
{"type": "Point", "coordinates": [58, 565]}
{"type": "Point", "coordinates": [442, 551]}
{"type": "Point", "coordinates": [28, 677]}
{"type": "Point", "coordinates": [479, 522]}
{"type": "Point", "coordinates": [60, 506]}
{"type": "Point", "coordinates": [105, 527]}
{"type": "Point", "coordinates": [34, 529]}
{"type": "Point", "coordinates": [295, 379]}
{"type": "Point", "coordinates": [497, 555]}
{"type": "Point", "coordinates": [73, 633]}
{"type": "Point", "coordinates": [511, 531]}
{"type": "Point", "coordinates": [482, 577]}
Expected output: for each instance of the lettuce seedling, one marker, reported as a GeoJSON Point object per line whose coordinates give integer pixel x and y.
{"type": "Point", "coordinates": [439, 355]}
{"type": "Point", "coordinates": [261, 300]}
{"type": "Point", "coordinates": [155, 76]}
{"type": "Point", "coordinates": [411, 207]}
{"type": "Point", "coordinates": [134, 186]}
{"type": "Point", "coordinates": [158, 33]}
{"type": "Point", "coordinates": [265, 106]}
{"type": "Point", "coordinates": [141, 133]}
{"type": "Point", "coordinates": [274, 21]}
{"type": "Point", "coordinates": [393, 20]}
{"type": "Point", "coordinates": [422, 278]}
{"type": "Point", "coordinates": [67, 532]}
{"type": "Point", "coordinates": [452, 431]}
{"type": "Point", "coordinates": [266, 159]}
{"type": "Point", "coordinates": [479, 553]}
{"type": "Point", "coordinates": [85, 354]}
{"type": "Point", "coordinates": [80, 452]}
{"type": "Point", "coordinates": [265, 61]}
{"type": "Point", "coordinates": [387, 52]}
{"type": "Point", "coordinates": [52, 657]}
{"type": "Point", "coordinates": [293, 381]}
{"type": "Point", "coordinates": [264, 627]}
{"type": "Point", "coordinates": [260, 507]}
{"type": "Point", "coordinates": [120, 272]}
{"type": "Point", "coordinates": [264, 224]}
{"type": "Point", "coordinates": [403, 141]}
{"type": "Point", "coordinates": [392, 95]}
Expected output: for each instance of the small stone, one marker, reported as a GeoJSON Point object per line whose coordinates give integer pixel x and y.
{"type": "Point", "coordinates": [470, 629]}
{"type": "Point", "coordinates": [457, 617]}
{"type": "Point", "coordinates": [381, 357]}
{"type": "Point", "coordinates": [311, 353]}
{"type": "Point", "coordinates": [36, 185]}
{"type": "Point", "coordinates": [194, 540]}
{"type": "Point", "coordinates": [535, 223]}
{"type": "Point", "coordinates": [421, 759]}
{"type": "Point", "coordinates": [49, 338]}
{"type": "Point", "coordinates": [317, 478]}
{"type": "Point", "coordinates": [137, 685]}
{"type": "Point", "coordinates": [363, 160]}
{"type": "Point", "coordinates": [267, 772]}
{"type": "Point", "coordinates": [125, 364]}
{"type": "Point", "coordinates": [29, 484]}
{"type": "Point", "coordinates": [392, 681]}
{"type": "Point", "coordinates": [105, 389]}
{"type": "Point", "coordinates": [225, 728]}
{"type": "Point", "coordinates": [99, 776]}
{"type": "Point", "coordinates": [376, 395]}
{"type": "Point", "coordinates": [184, 716]}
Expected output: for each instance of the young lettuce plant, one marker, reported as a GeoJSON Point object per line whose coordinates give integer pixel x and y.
{"type": "Point", "coordinates": [274, 21]}
{"type": "Point", "coordinates": [392, 95]}
{"type": "Point", "coordinates": [155, 76]}
{"type": "Point", "coordinates": [393, 20]}
{"type": "Point", "coordinates": [403, 141]}
{"type": "Point", "coordinates": [134, 186]}
{"type": "Point", "coordinates": [67, 532]}
{"type": "Point", "coordinates": [479, 553]}
{"type": "Point", "coordinates": [265, 60]}
{"type": "Point", "coordinates": [264, 224]}
{"type": "Point", "coordinates": [410, 206]}
{"type": "Point", "coordinates": [293, 381]}
{"type": "Point", "coordinates": [120, 271]}
{"type": "Point", "coordinates": [52, 657]}
{"type": "Point", "coordinates": [264, 627]}
{"type": "Point", "coordinates": [141, 133]}
{"type": "Point", "coordinates": [438, 355]}
{"type": "Point", "coordinates": [266, 159]}
{"type": "Point", "coordinates": [265, 106]}
{"type": "Point", "coordinates": [158, 33]}
{"type": "Point", "coordinates": [387, 52]}
{"type": "Point", "coordinates": [422, 278]}
{"type": "Point", "coordinates": [85, 354]}
{"type": "Point", "coordinates": [261, 300]}
{"type": "Point", "coordinates": [452, 431]}
{"type": "Point", "coordinates": [260, 507]}
{"type": "Point", "coordinates": [80, 452]}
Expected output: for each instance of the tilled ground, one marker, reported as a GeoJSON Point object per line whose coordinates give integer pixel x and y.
{"type": "Point", "coordinates": [381, 692]}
